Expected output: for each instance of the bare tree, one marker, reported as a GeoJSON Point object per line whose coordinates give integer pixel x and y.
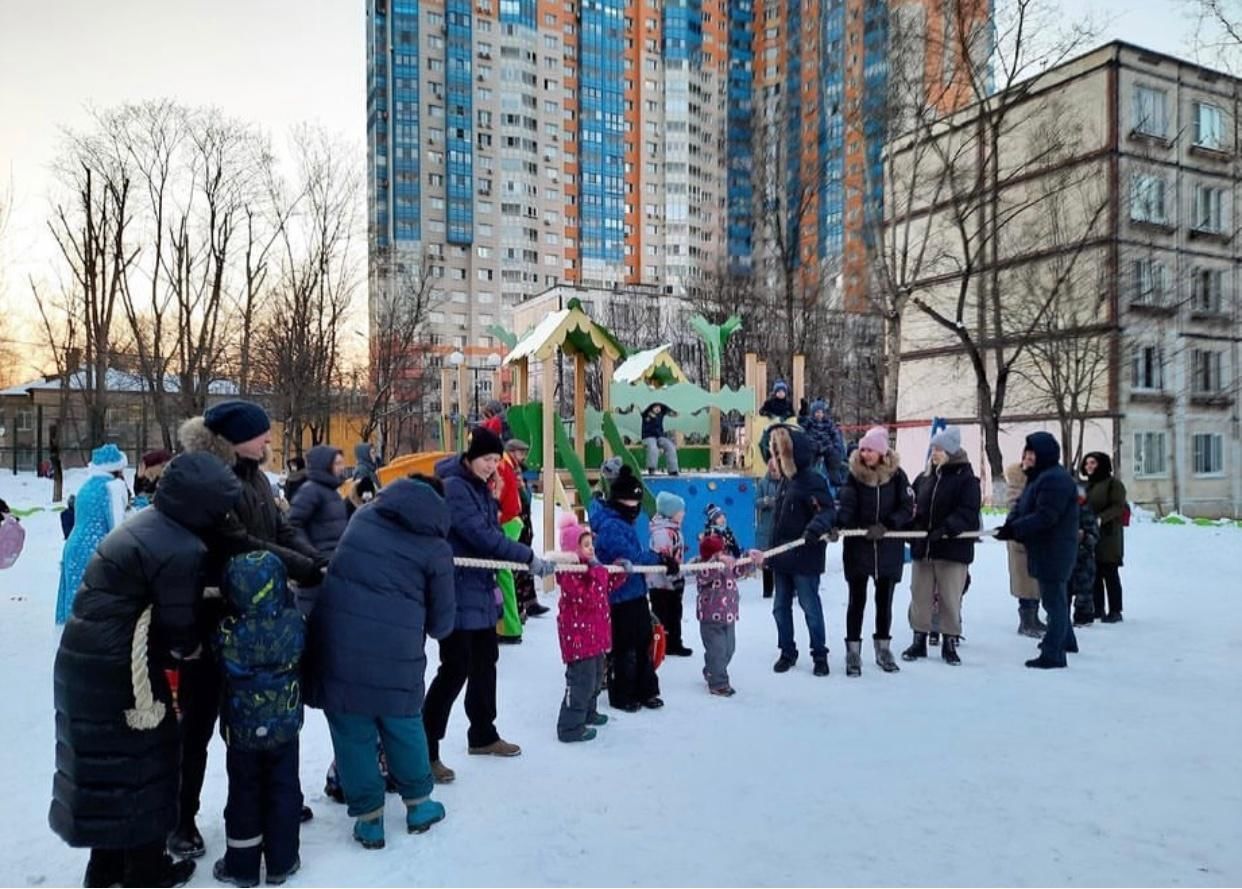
{"type": "Point", "coordinates": [1218, 32]}
{"type": "Point", "coordinates": [989, 221]}
{"type": "Point", "coordinates": [60, 317]}
{"type": "Point", "coordinates": [400, 309]}
{"type": "Point", "coordinates": [296, 343]}
{"type": "Point", "coordinates": [92, 231]}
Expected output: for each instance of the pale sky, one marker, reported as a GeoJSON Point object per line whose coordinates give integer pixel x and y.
{"type": "Point", "coordinates": [275, 62]}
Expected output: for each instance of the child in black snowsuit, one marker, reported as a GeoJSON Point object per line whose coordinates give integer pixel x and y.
{"type": "Point", "coordinates": [1082, 584]}
{"type": "Point", "coordinates": [260, 646]}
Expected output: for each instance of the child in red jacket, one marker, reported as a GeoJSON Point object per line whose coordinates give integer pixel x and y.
{"type": "Point", "coordinates": [585, 629]}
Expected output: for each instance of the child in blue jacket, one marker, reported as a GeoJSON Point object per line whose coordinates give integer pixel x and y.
{"type": "Point", "coordinates": [260, 648]}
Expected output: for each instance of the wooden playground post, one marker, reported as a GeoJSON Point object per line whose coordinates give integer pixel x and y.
{"type": "Point", "coordinates": [522, 389]}
{"type": "Point", "coordinates": [605, 392]}
{"type": "Point", "coordinates": [580, 405]}
{"type": "Point", "coordinates": [752, 372]}
{"type": "Point", "coordinates": [446, 390]}
{"type": "Point", "coordinates": [761, 384]}
{"type": "Point", "coordinates": [799, 380]}
{"type": "Point", "coordinates": [713, 450]}
{"type": "Point", "coordinates": [549, 459]}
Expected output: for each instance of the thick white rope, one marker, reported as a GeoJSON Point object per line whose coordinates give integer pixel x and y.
{"type": "Point", "coordinates": [147, 712]}
{"type": "Point", "coordinates": [691, 567]}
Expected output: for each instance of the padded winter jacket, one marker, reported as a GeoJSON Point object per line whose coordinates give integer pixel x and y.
{"type": "Point", "coordinates": [777, 408]}
{"type": "Point", "coordinates": [475, 532]}
{"type": "Point", "coordinates": [653, 421]}
{"type": "Point", "coordinates": [879, 496]}
{"type": "Point", "coordinates": [717, 600]}
{"type": "Point", "coordinates": [947, 497]}
{"type": "Point", "coordinates": [1045, 518]}
{"type": "Point", "coordinates": [115, 786]}
{"type": "Point", "coordinates": [803, 504]}
{"type": "Point", "coordinates": [318, 510]}
{"type": "Point", "coordinates": [389, 587]}
{"type": "Point", "coordinates": [259, 647]}
{"type": "Point", "coordinates": [666, 539]}
{"type": "Point", "coordinates": [257, 522]}
{"type": "Point", "coordinates": [615, 538]}
{"type": "Point", "coordinates": [828, 440]}
{"type": "Point", "coordinates": [1021, 584]}
{"type": "Point", "coordinates": [583, 620]}
{"type": "Point", "coordinates": [364, 465]}
{"type": "Point", "coordinates": [1106, 495]}
{"type": "Point", "coordinates": [766, 490]}
{"type": "Point", "coordinates": [510, 491]}
{"type": "Point", "coordinates": [1082, 584]}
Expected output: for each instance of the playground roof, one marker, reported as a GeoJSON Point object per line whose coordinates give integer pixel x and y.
{"type": "Point", "coordinates": [569, 329]}
{"type": "Point", "coordinates": [655, 365]}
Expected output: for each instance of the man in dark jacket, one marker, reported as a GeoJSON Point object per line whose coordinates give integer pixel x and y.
{"type": "Point", "coordinates": [318, 510]}
{"type": "Point", "coordinates": [239, 434]}
{"type": "Point", "coordinates": [117, 744]}
{"type": "Point", "coordinates": [389, 587]}
{"type": "Point", "coordinates": [1045, 521]}
{"type": "Point", "coordinates": [804, 509]}
{"type": "Point", "coordinates": [947, 502]}
{"type": "Point", "coordinates": [468, 655]}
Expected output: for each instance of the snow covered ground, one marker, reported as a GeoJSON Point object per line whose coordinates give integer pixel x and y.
{"type": "Point", "coordinates": [1122, 770]}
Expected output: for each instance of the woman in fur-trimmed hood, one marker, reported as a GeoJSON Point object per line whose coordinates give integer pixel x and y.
{"type": "Point", "coordinates": [876, 497]}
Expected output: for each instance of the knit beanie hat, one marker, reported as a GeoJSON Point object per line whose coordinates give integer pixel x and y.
{"type": "Point", "coordinates": [669, 504]}
{"type": "Point", "coordinates": [483, 442]}
{"type": "Point", "coordinates": [712, 511]}
{"type": "Point", "coordinates": [237, 421]}
{"type": "Point", "coordinates": [626, 486]}
{"type": "Point", "coordinates": [155, 458]}
{"type": "Point", "coordinates": [780, 386]}
{"type": "Point", "coordinates": [876, 440]}
{"type": "Point", "coordinates": [948, 439]}
{"type": "Point", "coordinates": [516, 444]}
{"type": "Point", "coordinates": [572, 532]}
{"type": "Point", "coordinates": [710, 546]}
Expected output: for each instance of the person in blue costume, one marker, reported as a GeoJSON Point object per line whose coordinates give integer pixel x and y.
{"type": "Point", "coordinates": [99, 507]}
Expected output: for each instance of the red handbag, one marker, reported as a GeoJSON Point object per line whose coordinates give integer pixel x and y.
{"type": "Point", "coordinates": [659, 643]}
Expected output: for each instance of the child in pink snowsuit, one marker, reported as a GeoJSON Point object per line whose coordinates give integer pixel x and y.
{"type": "Point", "coordinates": [717, 608]}
{"type": "Point", "coordinates": [585, 629]}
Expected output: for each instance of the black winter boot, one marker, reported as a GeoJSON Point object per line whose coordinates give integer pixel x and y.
{"type": "Point", "coordinates": [917, 649]}
{"type": "Point", "coordinates": [187, 842]}
{"type": "Point", "coordinates": [948, 651]}
{"type": "Point", "coordinates": [783, 664]}
{"type": "Point", "coordinates": [821, 667]}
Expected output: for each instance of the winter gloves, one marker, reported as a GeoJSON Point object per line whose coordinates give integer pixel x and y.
{"type": "Point", "coordinates": [876, 532]}
{"type": "Point", "coordinates": [1004, 532]}
{"type": "Point", "coordinates": [541, 568]}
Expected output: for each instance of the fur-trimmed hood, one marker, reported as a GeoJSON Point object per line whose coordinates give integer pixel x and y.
{"type": "Point", "coordinates": [878, 476]}
{"type": "Point", "coordinates": [1015, 481]}
{"type": "Point", "coordinates": [195, 436]}
{"type": "Point", "coordinates": [792, 449]}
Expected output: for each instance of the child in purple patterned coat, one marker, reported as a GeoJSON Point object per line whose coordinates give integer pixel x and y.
{"type": "Point", "coordinates": [717, 607]}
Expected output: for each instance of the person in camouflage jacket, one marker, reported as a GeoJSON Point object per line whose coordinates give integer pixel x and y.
{"type": "Point", "coordinates": [1082, 584]}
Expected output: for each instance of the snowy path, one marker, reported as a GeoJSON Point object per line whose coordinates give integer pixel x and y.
{"type": "Point", "coordinates": [1122, 770]}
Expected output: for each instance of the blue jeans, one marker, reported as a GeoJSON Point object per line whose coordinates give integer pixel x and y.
{"type": "Point", "coordinates": [405, 746]}
{"type": "Point", "coordinates": [1054, 596]}
{"type": "Point", "coordinates": [806, 588]}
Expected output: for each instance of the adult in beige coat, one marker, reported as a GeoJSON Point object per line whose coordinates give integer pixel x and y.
{"type": "Point", "coordinates": [1021, 585]}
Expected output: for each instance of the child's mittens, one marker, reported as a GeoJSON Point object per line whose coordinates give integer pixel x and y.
{"type": "Point", "coordinates": [625, 564]}
{"type": "Point", "coordinates": [755, 556]}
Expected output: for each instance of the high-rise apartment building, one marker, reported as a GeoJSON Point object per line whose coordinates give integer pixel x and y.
{"type": "Point", "coordinates": [517, 144]}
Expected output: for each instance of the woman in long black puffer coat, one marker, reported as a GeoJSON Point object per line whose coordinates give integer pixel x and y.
{"type": "Point", "coordinates": [876, 497]}
{"type": "Point", "coordinates": [118, 746]}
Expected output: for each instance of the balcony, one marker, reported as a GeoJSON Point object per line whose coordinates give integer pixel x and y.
{"type": "Point", "coordinates": [1211, 400]}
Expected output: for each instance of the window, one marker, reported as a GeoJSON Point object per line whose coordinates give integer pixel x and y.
{"type": "Point", "coordinates": [1146, 368]}
{"type": "Point", "coordinates": [1151, 282]}
{"type": "Point", "coordinates": [483, 274]}
{"type": "Point", "coordinates": [1209, 126]}
{"type": "Point", "coordinates": [25, 421]}
{"type": "Point", "coordinates": [1150, 111]}
{"type": "Point", "coordinates": [1209, 209]}
{"type": "Point", "coordinates": [1149, 455]}
{"type": "Point", "coordinates": [1147, 198]}
{"type": "Point", "coordinates": [1206, 371]}
{"type": "Point", "coordinates": [1208, 449]}
{"type": "Point", "coordinates": [1205, 291]}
